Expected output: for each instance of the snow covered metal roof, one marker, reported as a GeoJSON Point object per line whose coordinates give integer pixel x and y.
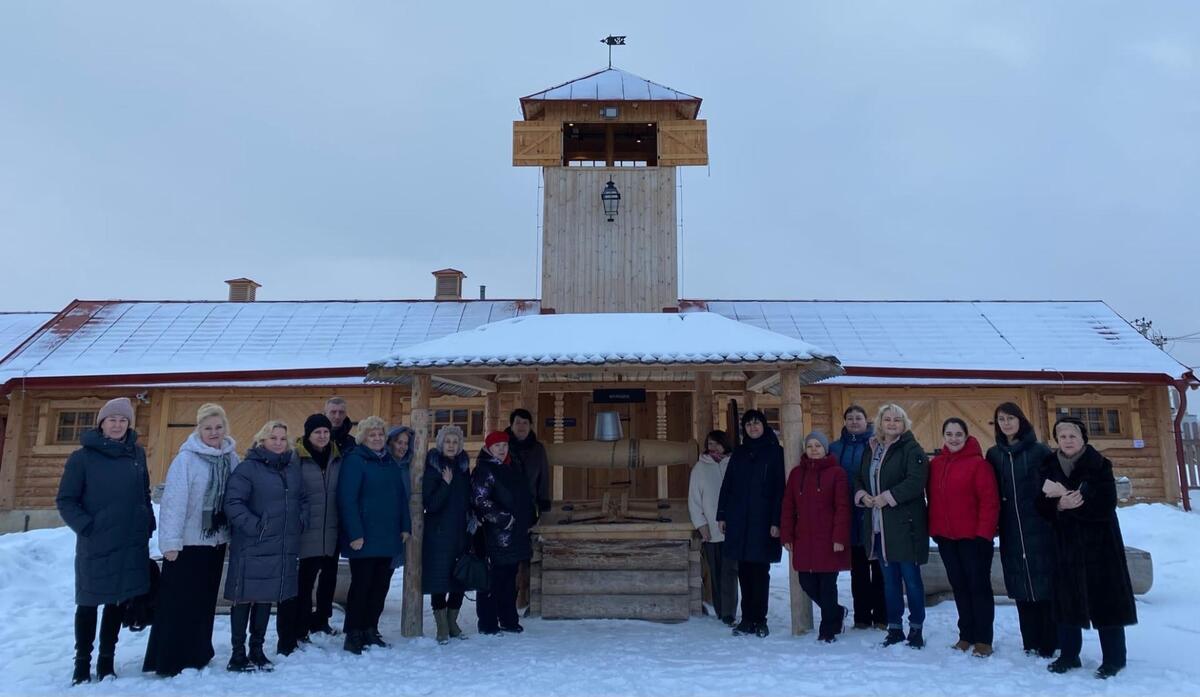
{"type": "Point", "coordinates": [188, 340]}
{"type": "Point", "coordinates": [611, 84]}
{"type": "Point", "coordinates": [221, 342]}
{"type": "Point", "coordinates": [544, 341]}
{"type": "Point", "coordinates": [16, 327]}
{"type": "Point", "coordinates": [1058, 340]}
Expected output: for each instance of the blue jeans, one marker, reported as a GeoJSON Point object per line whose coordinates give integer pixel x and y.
{"type": "Point", "coordinates": [909, 574]}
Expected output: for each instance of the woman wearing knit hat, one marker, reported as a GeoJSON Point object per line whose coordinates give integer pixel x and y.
{"type": "Point", "coordinates": [193, 534]}
{"type": "Point", "coordinates": [446, 492]}
{"type": "Point", "coordinates": [815, 526]}
{"type": "Point", "coordinates": [104, 497]}
{"type": "Point", "coordinates": [503, 500]}
{"type": "Point", "coordinates": [320, 464]}
{"type": "Point", "coordinates": [1091, 575]}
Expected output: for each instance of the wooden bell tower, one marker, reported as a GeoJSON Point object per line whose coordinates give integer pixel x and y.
{"type": "Point", "coordinates": [610, 126]}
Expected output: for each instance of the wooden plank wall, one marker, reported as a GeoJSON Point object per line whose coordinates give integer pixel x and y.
{"type": "Point", "coordinates": [592, 265]}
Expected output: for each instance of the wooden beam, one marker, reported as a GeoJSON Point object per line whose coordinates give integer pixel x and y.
{"type": "Point", "coordinates": [791, 418]}
{"type": "Point", "coordinates": [702, 407]}
{"type": "Point", "coordinates": [660, 432]}
{"type": "Point", "coordinates": [529, 396]}
{"type": "Point", "coordinates": [411, 612]}
{"type": "Point", "coordinates": [757, 382]}
{"type": "Point", "coordinates": [10, 459]}
{"type": "Point", "coordinates": [491, 412]}
{"type": "Point", "coordinates": [1166, 444]}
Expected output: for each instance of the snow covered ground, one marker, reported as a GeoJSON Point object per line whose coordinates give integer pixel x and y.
{"type": "Point", "coordinates": [626, 658]}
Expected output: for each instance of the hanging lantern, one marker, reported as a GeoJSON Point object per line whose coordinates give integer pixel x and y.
{"type": "Point", "coordinates": [611, 198]}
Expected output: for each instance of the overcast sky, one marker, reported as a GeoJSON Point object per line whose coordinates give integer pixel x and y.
{"type": "Point", "coordinates": [889, 150]}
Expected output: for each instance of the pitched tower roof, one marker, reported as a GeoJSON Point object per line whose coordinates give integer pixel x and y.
{"type": "Point", "coordinates": [610, 84]}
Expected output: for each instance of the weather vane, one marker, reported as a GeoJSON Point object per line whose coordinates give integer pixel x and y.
{"type": "Point", "coordinates": [612, 41]}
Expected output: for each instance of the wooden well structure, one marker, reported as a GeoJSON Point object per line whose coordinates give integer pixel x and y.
{"type": "Point", "coordinates": [618, 556]}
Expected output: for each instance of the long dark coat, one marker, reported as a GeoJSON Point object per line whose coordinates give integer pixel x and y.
{"type": "Point", "coordinates": [1026, 538]}
{"type": "Point", "coordinates": [504, 503]}
{"type": "Point", "coordinates": [1091, 578]}
{"type": "Point", "coordinates": [447, 514]}
{"type": "Point", "coordinates": [320, 537]}
{"type": "Point", "coordinates": [104, 496]}
{"type": "Point", "coordinates": [267, 509]}
{"type": "Point", "coordinates": [751, 500]}
{"type": "Point", "coordinates": [373, 504]}
{"type": "Point", "coordinates": [903, 476]}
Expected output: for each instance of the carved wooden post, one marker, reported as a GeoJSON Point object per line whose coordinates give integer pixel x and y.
{"type": "Point", "coordinates": [560, 436]}
{"type": "Point", "coordinates": [411, 612]}
{"type": "Point", "coordinates": [791, 418]}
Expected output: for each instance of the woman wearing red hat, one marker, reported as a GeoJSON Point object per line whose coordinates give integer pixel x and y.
{"type": "Point", "coordinates": [502, 499]}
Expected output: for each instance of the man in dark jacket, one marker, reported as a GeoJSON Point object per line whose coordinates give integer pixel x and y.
{"type": "Point", "coordinates": [866, 577]}
{"type": "Point", "coordinates": [529, 457]}
{"type": "Point", "coordinates": [335, 410]}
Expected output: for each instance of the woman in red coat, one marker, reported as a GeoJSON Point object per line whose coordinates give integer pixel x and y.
{"type": "Point", "coordinates": [964, 511]}
{"type": "Point", "coordinates": [816, 529]}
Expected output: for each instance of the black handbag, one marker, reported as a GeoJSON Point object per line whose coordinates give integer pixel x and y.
{"type": "Point", "coordinates": [471, 572]}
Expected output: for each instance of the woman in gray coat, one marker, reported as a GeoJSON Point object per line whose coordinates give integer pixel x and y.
{"type": "Point", "coordinates": [267, 509]}
{"type": "Point", "coordinates": [320, 461]}
{"type": "Point", "coordinates": [104, 497]}
{"type": "Point", "coordinates": [192, 536]}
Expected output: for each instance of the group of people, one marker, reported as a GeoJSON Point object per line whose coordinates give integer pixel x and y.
{"type": "Point", "coordinates": [286, 511]}
{"type": "Point", "coordinates": [871, 501]}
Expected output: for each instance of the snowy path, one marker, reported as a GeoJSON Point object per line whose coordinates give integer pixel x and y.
{"type": "Point", "coordinates": [627, 658]}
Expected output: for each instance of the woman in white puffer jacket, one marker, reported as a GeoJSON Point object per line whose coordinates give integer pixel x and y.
{"type": "Point", "coordinates": [704, 489]}
{"type": "Point", "coordinates": [192, 536]}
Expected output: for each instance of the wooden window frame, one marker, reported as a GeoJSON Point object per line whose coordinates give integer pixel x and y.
{"type": "Point", "coordinates": [1128, 406]}
{"type": "Point", "coordinates": [47, 429]}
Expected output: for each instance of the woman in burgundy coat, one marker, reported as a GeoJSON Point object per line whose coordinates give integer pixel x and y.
{"type": "Point", "coordinates": [816, 529]}
{"type": "Point", "coordinates": [964, 511]}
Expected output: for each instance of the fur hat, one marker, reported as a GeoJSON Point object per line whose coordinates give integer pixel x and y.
{"type": "Point", "coordinates": [121, 406]}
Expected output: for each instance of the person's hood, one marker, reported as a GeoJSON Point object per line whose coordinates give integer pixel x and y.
{"type": "Point", "coordinates": [193, 444]}
{"type": "Point", "coordinates": [303, 450]}
{"type": "Point", "coordinates": [865, 436]}
{"type": "Point", "coordinates": [93, 439]}
{"type": "Point", "coordinates": [970, 449]}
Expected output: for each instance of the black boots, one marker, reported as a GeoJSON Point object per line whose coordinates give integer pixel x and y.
{"type": "Point", "coordinates": [85, 634]}
{"type": "Point", "coordinates": [239, 617]}
{"type": "Point", "coordinates": [895, 635]}
{"type": "Point", "coordinates": [1062, 664]}
{"type": "Point", "coordinates": [258, 616]}
{"type": "Point", "coordinates": [372, 637]}
{"type": "Point", "coordinates": [353, 642]}
{"type": "Point", "coordinates": [916, 639]}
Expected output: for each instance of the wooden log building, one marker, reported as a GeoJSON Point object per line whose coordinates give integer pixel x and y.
{"type": "Point", "coordinates": [607, 131]}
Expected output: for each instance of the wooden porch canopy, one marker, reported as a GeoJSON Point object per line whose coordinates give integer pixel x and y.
{"type": "Point", "coordinates": [690, 348]}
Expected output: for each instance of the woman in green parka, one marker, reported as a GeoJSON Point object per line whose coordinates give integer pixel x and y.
{"type": "Point", "coordinates": [891, 485]}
